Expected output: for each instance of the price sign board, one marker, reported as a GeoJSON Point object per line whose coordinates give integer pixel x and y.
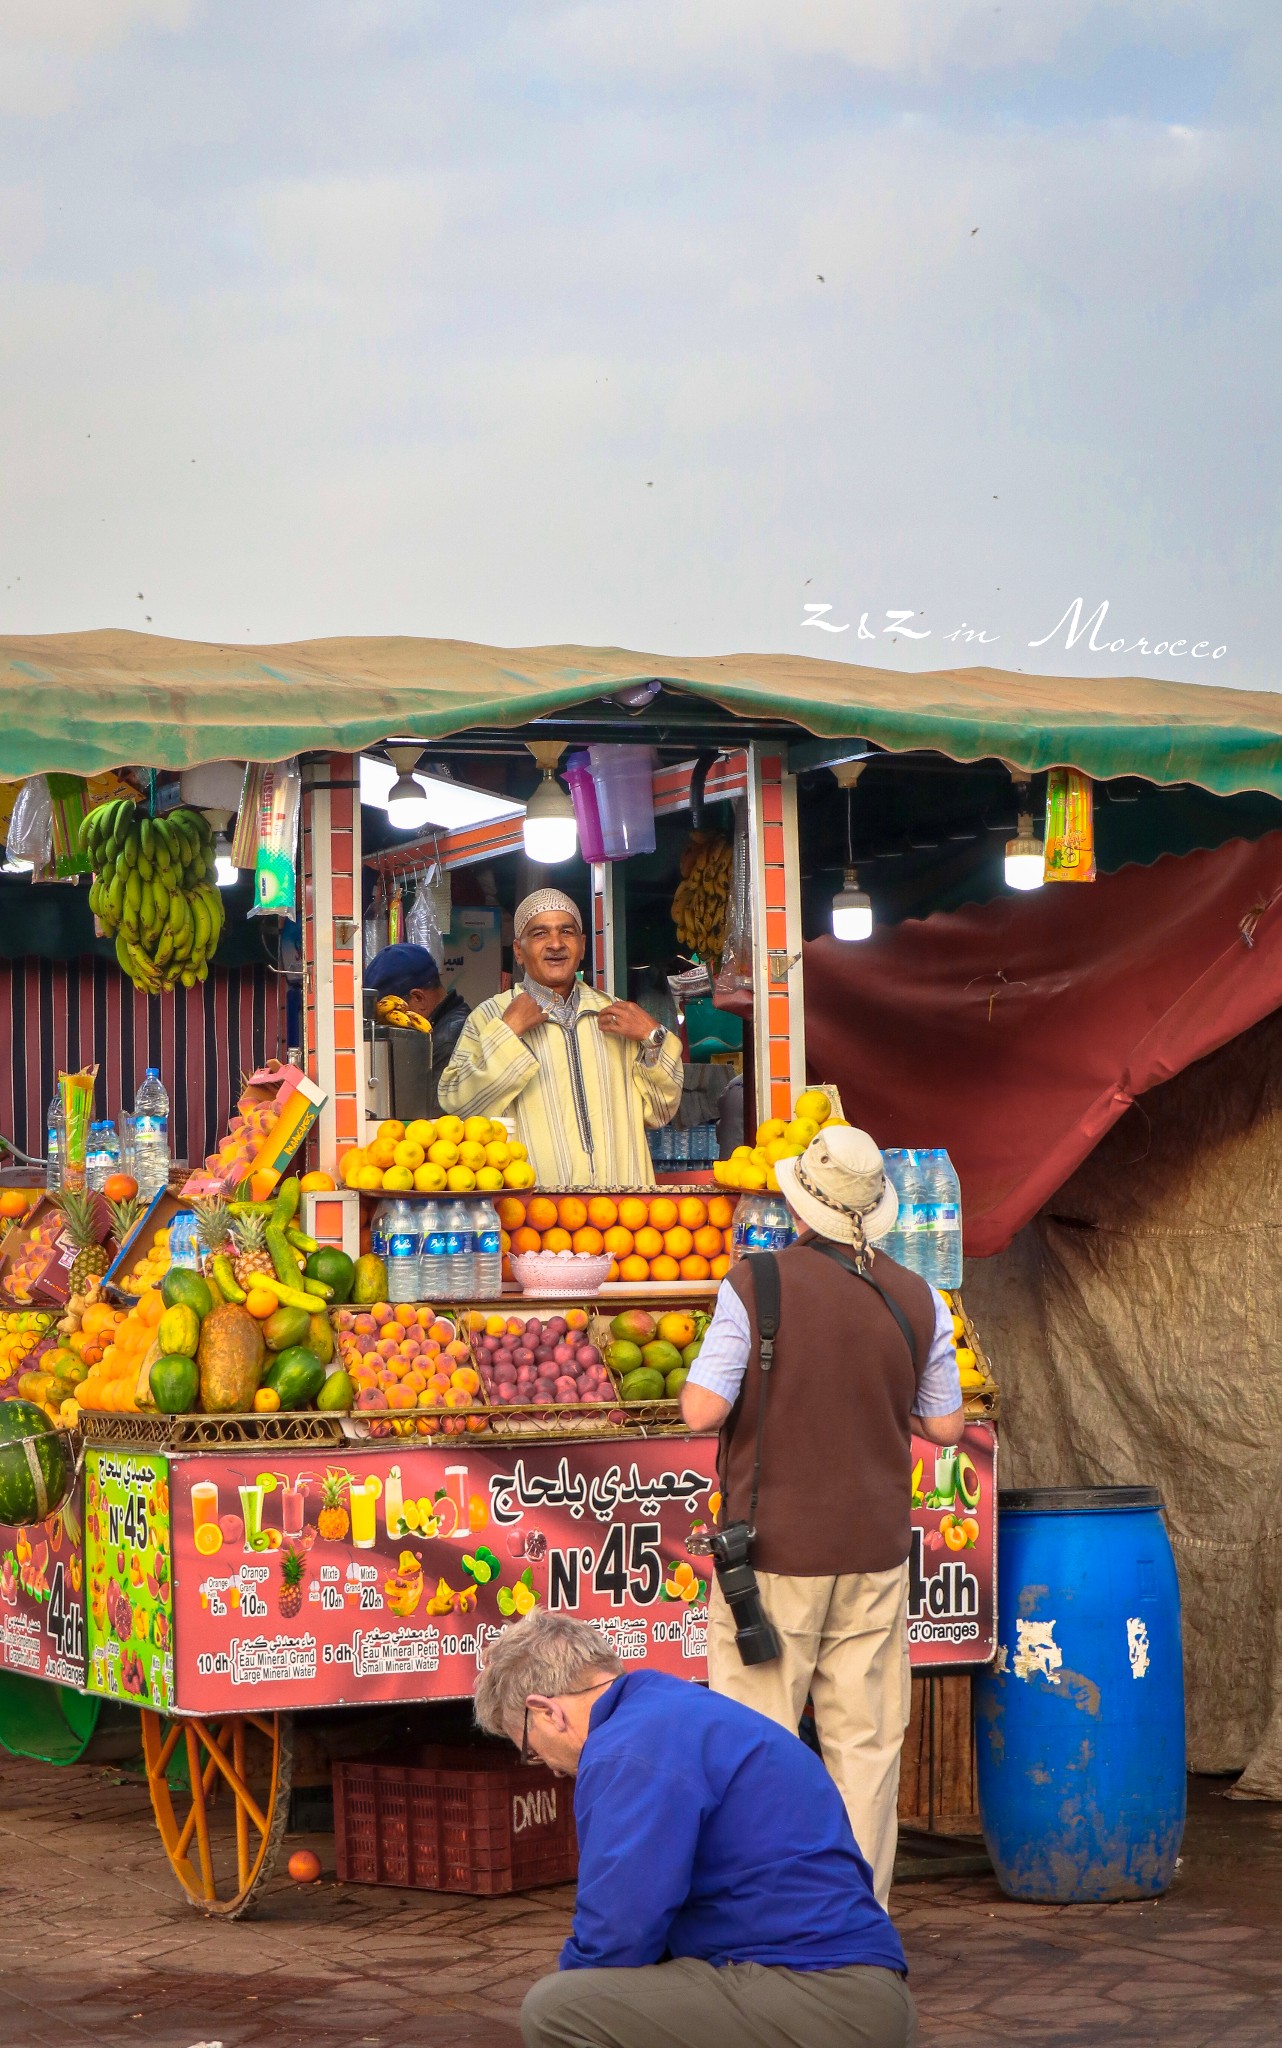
{"type": "Point", "coordinates": [952, 1564]}
{"type": "Point", "coordinates": [128, 1578]}
{"type": "Point", "coordinates": [42, 1611]}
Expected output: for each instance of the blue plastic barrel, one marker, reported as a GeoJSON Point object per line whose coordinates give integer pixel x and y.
{"type": "Point", "coordinates": [1079, 1722]}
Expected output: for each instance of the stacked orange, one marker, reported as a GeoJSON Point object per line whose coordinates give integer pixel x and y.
{"type": "Point", "coordinates": [109, 1385]}
{"type": "Point", "coordinates": [649, 1237]}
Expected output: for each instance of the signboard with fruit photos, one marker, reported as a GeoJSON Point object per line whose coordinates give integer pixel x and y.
{"type": "Point", "coordinates": [128, 1579]}
{"type": "Point", "coordinates": [952, 1562]}
{"type": "Point", "coordinates": [42, 1612]}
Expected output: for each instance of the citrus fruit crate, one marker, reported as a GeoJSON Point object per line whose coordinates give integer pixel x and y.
{"type": "Point", "coordinates": [213, 1432]}
{"type": "Point", "coordinates": [463, 1820]}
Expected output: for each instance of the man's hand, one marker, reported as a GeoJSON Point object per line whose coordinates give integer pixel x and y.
{"type": "Point", "coordinates": [625, 1020]}
{"type": "Point", "coordinates": [523, 1014]}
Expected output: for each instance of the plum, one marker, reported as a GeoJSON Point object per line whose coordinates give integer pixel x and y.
{"type": "Point", "coordinates": [566, 1389]}
{"type": "Point", "coordinates": [563, 1355]}
{"type": "Point", "coordinates": [533, 1330]}
{"type": "Point", "coordinates": [523, 1355]}
{"type": "Point", "coordinates": [555, 1328]}
{"type": "Point", "coordinates": [587, 1354]}
{"type": "Point", "coordinates": [506, 1374]}
{"type": "Point", "coordinates": [507, 1392]}
{"type": "Point", "coordinates": [542, 1399]}
{"type": "Point", "coordinates": [503, 1356]}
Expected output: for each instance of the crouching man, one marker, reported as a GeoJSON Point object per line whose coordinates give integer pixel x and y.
{"type": "Point", "coordinates": [722, 1899]}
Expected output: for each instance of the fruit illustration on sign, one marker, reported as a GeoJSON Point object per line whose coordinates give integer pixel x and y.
{"type": "Point", "coordinates": [289, 1598]}
{"type": "Point", "coordinates": [683, 1583]}
{"type": "Point", "coordinates": [333, 1521]}
{"type": "Point", "coordinates": [518, 1599]}
{"type": "Point", "coordinates": [404, 1588]}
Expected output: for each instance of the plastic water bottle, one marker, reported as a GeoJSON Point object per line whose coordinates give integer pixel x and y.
{"type": "Point", "coordinates": [151, 1135]}
{"type": "Point", "coordinates": [762, 1223]}
{"type": "Point", "coordinates": [945, 1222]}
{"type": "Point", "coordinates": [895, 1159]}
{"type": "Point", "coordinates": [460, 1252]}
{"type": "Point", "coordinates": [433, 1265]}
{"type": "Point", "coordinates": [402, 1253]}
{"type": "Point", "coordinates": [97, 1158]}
{"type": "Point", "coordinates": [488, 1280]}
{"type": "Point", "coordinates": [378, 1231]}
{"type": "Point", "coordinates": [55, 1142]}
{"type": "Point", "coordinates": [909, 1241]}
{"type": "Point", "coordinates": [185, 1245]}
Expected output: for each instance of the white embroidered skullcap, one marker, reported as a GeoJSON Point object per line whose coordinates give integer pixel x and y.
{"type": "Point", "coordinates": [544, 899]}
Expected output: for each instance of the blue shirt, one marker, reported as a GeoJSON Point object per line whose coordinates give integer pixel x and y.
{"type": "Point", "coordinates": [706, 1830]}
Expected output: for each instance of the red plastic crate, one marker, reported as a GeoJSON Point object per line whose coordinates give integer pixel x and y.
{"type": "Point", "coordinates": [464, 1820]}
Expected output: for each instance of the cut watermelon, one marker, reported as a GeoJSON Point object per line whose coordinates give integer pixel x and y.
{"type": "Point", "coordinates": [35, 1470]}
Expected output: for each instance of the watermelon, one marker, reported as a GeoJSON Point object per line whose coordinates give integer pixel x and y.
{"type": "Point", "coordinates": [35, 1477]}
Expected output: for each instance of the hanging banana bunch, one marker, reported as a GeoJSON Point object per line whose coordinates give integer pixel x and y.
{"type": "Point", "coordinates": [703, 895]}
{"type": "Point", "coordinates": [153, 890]}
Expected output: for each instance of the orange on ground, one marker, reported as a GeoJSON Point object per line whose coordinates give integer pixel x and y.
{"type": "Point", "coordinates": [648, 1243]}
{"type": "Point", "coordinates": [694, 1268]}
{"type": "Point", "coordinates": [587, 1240]}
{"type": "Point", "coordinates": [571, 1212]}
{"type": "Point", "coordinates": [692, 1212]}
{"type": "Point", "coordinates": [632, 1212]}
{"type": "Point", "coordinates": [663, 1212]}
{"type": "Point", "coordinates": [664, 1268]}
{"type": "Point", "coordinates": [720, 1267]}
{"type": "Point", "coordinates": [707, 1241]}
{"type": "Point", "coordinates": [602, 1212]}
{"type": "Point", "coordinates": [678, 1242]}
{"type": "Point", "coordinates": [721, 1211]}
{"type": "Point", "coordinates": [618, 1242]}
{"type": "Point", "coordinates": [304, 1867]}
{"type": "Point", "coordinates": [634, 1268]}
{"type": "Point", "coordinates": [540, 1212]}
{"type": "Point", "coordinates": [526, 1241]}
{"type": "Point", "coordinates": [557, 1241]}
{"type": "Point", "coordinates": [511, 1212]}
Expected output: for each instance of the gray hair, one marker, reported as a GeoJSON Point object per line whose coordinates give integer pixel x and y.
{"type": "Point", "coordinates": [545, 1653]}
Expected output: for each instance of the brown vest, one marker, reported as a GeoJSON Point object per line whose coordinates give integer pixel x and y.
{"type": "Point", "coordinates": [836, 1462]}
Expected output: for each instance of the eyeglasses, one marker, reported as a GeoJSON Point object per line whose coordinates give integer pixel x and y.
{"type": "Point", "coordinates": [527, 1755]}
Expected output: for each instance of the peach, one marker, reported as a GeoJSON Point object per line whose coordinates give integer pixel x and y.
{"type": "Point", "coordinates": [512, 1328]}
{"type": "Point", "coordinates": [458, 1350]}
{"type": "Point", "coordinates": [371, 1397]}
{"type": "Point", "coordinates": [476, 1423]}
{"type": "Point", "coordinates": [425, 1317]}
{"type": "Point", "coordinates": [365, 1326]}
{"type": "Point", "coordinates": [404, 1314]}
{"type": "Point", "coordinates": [428, 1398]}
{"type": "Point", "coordinates": [466, 1380]}
{"type": "Point", "coordinates": [345, 1319]}
{"type": "Point", "coordinates": [427, 1425]}
{"type": "Point", "coordinates": [576, 1319]}
{"type": "Point", "coordinates": [477, 1319]}
{"type": "Point", "coordinates": [415, 1380]}
{"type": "Point", "coordinates": [442, 1332]}
{"type": "Point", "coordinates": [439, 1380]}
{"type": "Point", "coordinates": [400, 1397]}
{"type": "Point", "coordinates": [386, 1348]}
{"type": "Point", "coordinates": [389, 1327]}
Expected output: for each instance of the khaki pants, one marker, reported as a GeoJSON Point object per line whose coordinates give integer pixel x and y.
{"type": "Point", "coordinates": [691, 2004]}
{"type": "Point", "coordinates": [845, 1644]}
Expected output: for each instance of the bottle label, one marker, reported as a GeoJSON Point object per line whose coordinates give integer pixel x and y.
{"type": "Point", "coordinates": [436, 1244]}
{"type": "Point", "coordinates": [913, 1216]}
{"type": "Point", "coordinates": [946, 1216]}
{"type": "Point", "coordinates": [150, 1126]}
{"type": "Point", "coordinates": [489, 1243]}
{"type": "Point", "coordinates": [402, 1245]}
{"type": "Point", "coordinates": [456, 1242]}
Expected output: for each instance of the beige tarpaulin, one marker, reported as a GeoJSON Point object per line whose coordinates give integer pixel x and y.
{"type": "Point", "coordinates": [1137, 1329]}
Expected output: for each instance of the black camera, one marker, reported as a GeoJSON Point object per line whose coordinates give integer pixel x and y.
{"type": "Point", "coordinates": [755, 1636]}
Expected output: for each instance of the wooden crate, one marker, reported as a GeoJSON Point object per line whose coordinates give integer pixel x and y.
{"type": "Point", "coordinates": [937, 1771]}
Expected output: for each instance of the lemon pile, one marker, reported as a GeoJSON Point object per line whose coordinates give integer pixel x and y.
{"type": "Point", "coordinates": [752, 1167]}
{"type": "Point", "coordinates": [429, 1157]}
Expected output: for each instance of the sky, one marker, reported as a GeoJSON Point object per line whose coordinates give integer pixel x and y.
{"type": "Point", "coordinates": [649, 325]}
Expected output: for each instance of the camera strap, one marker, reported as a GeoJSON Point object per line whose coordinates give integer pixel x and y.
{"type": "Point", "coordinates": [765, 1285]}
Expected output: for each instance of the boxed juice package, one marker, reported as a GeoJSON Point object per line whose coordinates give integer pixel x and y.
{"type": "Point", "coordinates": [277, 1107]}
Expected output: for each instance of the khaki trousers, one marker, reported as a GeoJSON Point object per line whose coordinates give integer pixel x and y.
{"type": "Point", "coordinates": [692, 2004]}
{"type": "Point", "coordinates": [845, 1645]}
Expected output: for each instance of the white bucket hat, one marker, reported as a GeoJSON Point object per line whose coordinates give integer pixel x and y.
{"type": "Point", "coordinates": [840, 1178]}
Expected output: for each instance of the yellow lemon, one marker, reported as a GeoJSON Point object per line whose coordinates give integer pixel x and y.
{"type": "Point", "coordinates": [771, 1129]}
{"type": "Point", "coordinates": [520, 1174]}
{"type": "Point", "coordinates": [783, 1148]}
{"type": "Point", "coordinates": [497, 1152]}
{"type": "Point", "coordinates": [477, 1128]}
{"type": "Point", "coordinates": [498, 1131]}
{"type": "Point", "coordinates": [399, 1179]}
{"type": "Point", "coordinates": [751, 1177]}
{"type": "Point", "coordinates": [353, 1161]}
{"type": "Point", "coordinates": [369, 1177]}
{"type": "Point", "coordinates": [382, 1152]}
{"type": "Point", "coordinates": [489, 1178]}
{"type": "Point", "coordinates": [814, 1105]}
{"type": "Point", "coordinates": [742, 1152]}
{"type": "Point", "coordinates": [422, 1131]}
{"type": "Point", "coordinates": [409, 1153]}
{"type": "Point", "coordinates": [429, 1178]}
{"type": "Point", "coordinates": [450, 1127]}
{"type": "Point", "coordinates": [772, 1180]}
{"type": "Point", "coordinates": [443, 1153]}
{"type": "Point", "coordinates": [460, 1179]}
{"type": "Point", "coordinates": [801, 1130]}
{"type": "Point", "coordinates": [471, 1154]}
{"type": "Point", "coordinates": [516, 1150]}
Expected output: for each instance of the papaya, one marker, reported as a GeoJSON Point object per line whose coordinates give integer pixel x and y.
{"type": "Point", "coordinates": [320, 1337]}
{"type": "Point", "coordinates": [181, 1286]}
{"type": "Point", "coordinates": [287, 1326]}
{"type": "Point", "coordinates": [369, 1282]}
{"type": "Point", "coordinates": [175, 1383]}
{"type": "Point", "coordinates": [296, 1376]}
{"type": "Point", "coordinates": [179, 1330]}
{"type": "Point", "coordinates": [230, 1357]}
{"type": "Point", "coordinates": [337, 1395]}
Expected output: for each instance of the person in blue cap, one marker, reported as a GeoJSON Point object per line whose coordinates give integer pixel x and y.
{"type": "Point", "coordinates": [411, 973]}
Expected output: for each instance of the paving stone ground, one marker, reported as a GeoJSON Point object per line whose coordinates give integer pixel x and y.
{"type": "Point", "coordinates": [98, 1947]}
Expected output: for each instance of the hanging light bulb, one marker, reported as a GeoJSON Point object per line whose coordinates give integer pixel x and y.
{"type": "Point", "coordinates": [226, 874]}
{"type": "Point", "coordinates": [1025, 856]}
{"type": "Point", "coordinates": [851, 910]}
{"type": "Point", "coordinates": [551, 832]}
{"type": "Point", "coordinates": [407, 805]}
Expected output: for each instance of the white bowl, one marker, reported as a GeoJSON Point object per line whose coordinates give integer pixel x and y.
{"type": "Point", "coordinates": [549, 1274]}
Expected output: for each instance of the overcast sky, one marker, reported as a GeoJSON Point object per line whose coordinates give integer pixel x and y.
{"type": "Point", "coordinates": [647, 322]}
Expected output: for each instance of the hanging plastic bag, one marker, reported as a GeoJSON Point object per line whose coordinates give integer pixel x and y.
{"type": "Point", "coordinates": [1070, 827]}
{"type": "Point", "coordinates": [30, 836]}
{"type": "Point", "coordinates": [735, 972]}
{"type": "Point", "coordinates": [432, 914]}
{"type": "Point", "coordinates": [68, 804]}
{"type": "Point", "coordinates": [374, 930]}
{"type": "Point", "coordinates": [276, 863]}
{"type": "Point", "coordinates": [244, 845]}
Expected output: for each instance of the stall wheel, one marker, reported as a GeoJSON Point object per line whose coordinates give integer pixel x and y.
{"type": "Point", "coordinates": [222, 1831]}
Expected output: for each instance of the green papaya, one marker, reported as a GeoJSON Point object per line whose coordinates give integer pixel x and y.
{"type": "Point", "coordinates": [179, 1330]}
{"type": "Point", "coordinates": [320, 1337]}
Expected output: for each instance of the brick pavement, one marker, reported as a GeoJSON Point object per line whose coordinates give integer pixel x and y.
{"type": "Point", "coordinates": [97, 1946]}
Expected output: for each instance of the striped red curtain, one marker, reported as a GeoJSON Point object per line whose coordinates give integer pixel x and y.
{"type": "Point", "coordinates": [64, 1014]}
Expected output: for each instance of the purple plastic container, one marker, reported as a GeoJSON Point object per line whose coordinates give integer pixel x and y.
{"type": "Point", "coordinates": [578, 773]}
{"type": "Point", "coordinates": [623, 776]}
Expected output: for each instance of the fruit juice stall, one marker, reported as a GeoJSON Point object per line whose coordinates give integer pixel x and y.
{"type": "Point", "coordinates": [307, 1484]}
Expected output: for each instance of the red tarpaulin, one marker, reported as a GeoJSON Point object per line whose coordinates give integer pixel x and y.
{"type": "Point", "coordinates": [1016, 1032]}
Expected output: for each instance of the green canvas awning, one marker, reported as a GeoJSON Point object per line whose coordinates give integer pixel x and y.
{"type": "Point", "coordinates": [87, 701]}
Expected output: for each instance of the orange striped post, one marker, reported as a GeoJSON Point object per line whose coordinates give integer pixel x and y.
{"type": "Point", "coordinates": [779, 1032]}
{"type": "Point", "coordinates": [334, 1053]}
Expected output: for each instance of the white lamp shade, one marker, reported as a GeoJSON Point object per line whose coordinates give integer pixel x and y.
{"type": "Point", "coordinates": [226, 873]}
{"type": "Point", "coordinates": [851, 911]}
{"type": "Point", "coordinates": [550, 831]}
{"type": "Point", "coordinates": [1025, 857]}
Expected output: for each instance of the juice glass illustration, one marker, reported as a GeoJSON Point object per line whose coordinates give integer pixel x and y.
{"type": "Point", "coordinates": [251, 1507]}
{"type": "Point", "coordinates": [456, 1490]}
{"type": "Point", "coordinates": [291, 1511]}
{"type": "Point", "coordinates": [204, 1504]}
{"type": "Point", "coordinates": [946, 1474]}
{"type": "Point", "coordinates": [363, 1499]}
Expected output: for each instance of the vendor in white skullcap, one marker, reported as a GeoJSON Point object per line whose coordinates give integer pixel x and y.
{"type": "Point", "coordinates": [583, 1076]}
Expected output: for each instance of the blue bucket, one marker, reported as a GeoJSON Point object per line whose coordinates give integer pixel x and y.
{"type": "Point", "coordinates": [1079, 1722]}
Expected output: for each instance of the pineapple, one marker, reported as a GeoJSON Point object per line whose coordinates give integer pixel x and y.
{"type": "Point", "coordinates": [213, 1219]}
{"type": "Point", "coordinates": [249, 1238]}
{"type": "Point", "coordinates": [80, 1221]}
{"type": "Point", "coordinates": [124, 1216]}
{"type": "Point", "coordinates": [331, 1522]}
{"type": "Point", "coordinates": [290, 1597]}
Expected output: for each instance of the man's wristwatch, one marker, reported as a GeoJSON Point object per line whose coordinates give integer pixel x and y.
{"type": "Point", "coordinates": [654, 1039]}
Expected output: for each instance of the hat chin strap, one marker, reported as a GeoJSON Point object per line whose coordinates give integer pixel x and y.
{"type": "Point", "coordinates": [858, 1235]}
